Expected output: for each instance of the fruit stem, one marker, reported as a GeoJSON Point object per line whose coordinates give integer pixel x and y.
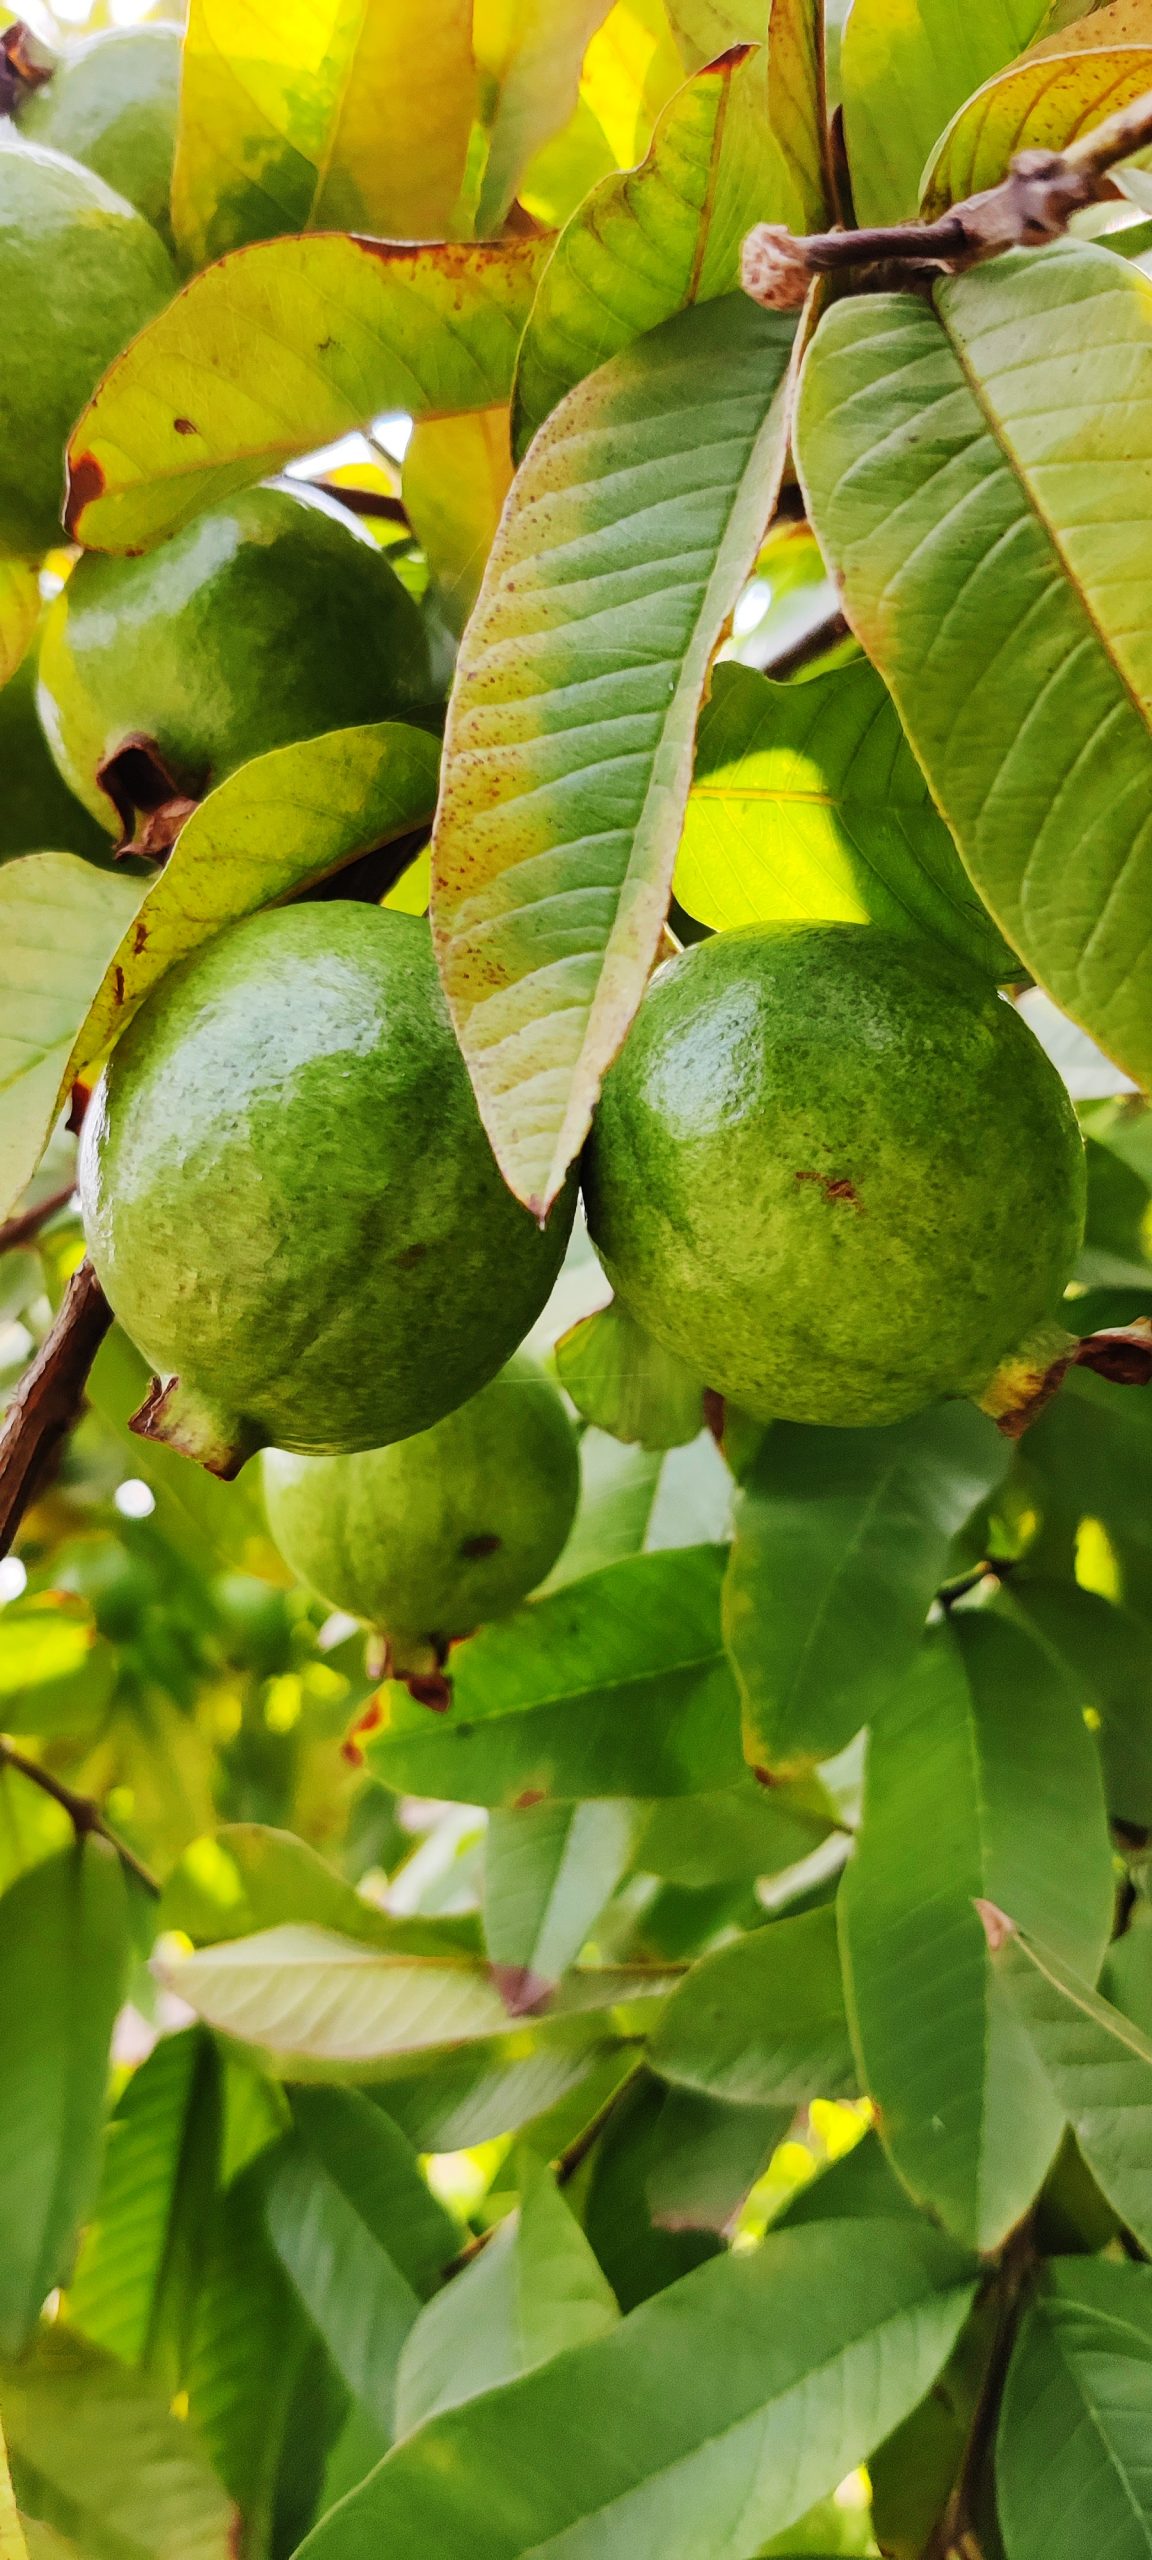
{"type": "Point", "coordinates": [180, 1418]}
{"type": "Point", "coordinates": [49, 1397]}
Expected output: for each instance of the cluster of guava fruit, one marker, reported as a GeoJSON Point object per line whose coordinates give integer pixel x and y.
{"type": "Point", "coordinates": [831, 1168]}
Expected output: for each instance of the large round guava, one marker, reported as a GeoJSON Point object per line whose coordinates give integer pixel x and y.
{"type": "Point", "coordinates": [439, 1533]}
{"type": "Point", "coordinates": [290, 1200]}
{"type": "Point", "coordinates": [265, 621]}
{"type": "Point", "coordinates": [112, 103]}
{"type": "Point", "coordinates": [38, 813]}
{"type": "Point", "coordinates": [835, 1172]}
{"type": "Point", "coordinates": [82, 271]}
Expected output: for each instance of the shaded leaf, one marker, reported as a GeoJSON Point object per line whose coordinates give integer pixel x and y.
{"type": "Point", "coordinates": [530, 52]}
{"type": "Point", "coordinates": [19, 612]}
{"type": "Point", "coordinates": [249, 2346]}
{"type": "Point", "coordinates": [625, 1382]}
{"type": "Point", "coordinates": [97, 2457]}
{"type": "Point", "coordinates": [248, 1876]}
{"type": "Point", "coordinates": [60, 923]}
{"type": "Point", "coordinates": [457, 474]}
{"type": "Point", "coordinates": [136, 2277]}
{"type": "Point", "coordinates": [632, 527]}
{"type": "Point", "coordinates": [1073, 2437]}
{"type": "Point", "coordinates": [953, 473]}
{"type": "Point", "coordinates": [367, 2158]}
{"type": "Point", "coordinates": [483, 2091]}
{"type": "Point", "coordinates": [1104, 1653]}
{"type": "Point", "coordinates": [350, 119]}
{"type": "Point", "coordinates": [350, 2286]}
{"type": "Point", "coordinates": [1042, 104]}
{"type": "Point", "coordinates": [1099, 2067]}
{"type": "Point", "coordinates": [904, 74]}
{"type": "Point", "coordinates": [282, 348]}
{"type": "Point", "coordinates": [982, 1782]}
{"type": "Point", "coordinates": [807, 801]}
{"type": "Point", "coordinates": [741, 1831]}
{"type": "Point", "coordinates": [762, 2021]}
{"type": "Point", "coordinates": [614, 1686]}
{"type": "Point", "coordinates": [842, 1540]}
{"type": "Point", "coordinates": [549, 1869]}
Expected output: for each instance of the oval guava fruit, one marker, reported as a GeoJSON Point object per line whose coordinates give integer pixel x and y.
{"type": "Point", "coordinates": [82, 272]}
{"type": "Point", "coordinates": [265, 621]}
{"type": "Point", "coordinates": [111, 103]}
{"type": "Point", "coordinates": [439, 1533]}
{"type": "Point", "coordinates": [38, 813]}
{"type": "Point", "coordinates": [835, 1172]}
{"type": "Point", "coordinates": [290, 1200]}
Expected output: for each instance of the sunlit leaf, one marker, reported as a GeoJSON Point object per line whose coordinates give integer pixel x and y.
{"type": "Point", "coordinates": [630, 70]}
{"type": "Point", "coordinates": [1042, 104]}
{"type": "Point", "coordinates": [457, 473]}
{"type": "Point", "coordinates": [136, 2275]}
{"type": "Point", "coordinates": [19, 611]}
{"type": "Point", "coordinates": [97, 2456]}
{"type": "Point", "coordinates": [905, 72]}
{"type": "Point", "coordinates": [529, 52]}
{"type": "Point", "coordinates": [625, 1382]}
{"type": "Point", "coordinates": [60, 923]}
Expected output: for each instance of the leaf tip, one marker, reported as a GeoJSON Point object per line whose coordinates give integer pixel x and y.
{"type": "Point", "coordinates": [998, 1928]}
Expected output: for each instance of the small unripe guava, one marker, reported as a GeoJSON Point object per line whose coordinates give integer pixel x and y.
{"type": "Point", "coordinates": [439, 1533]}
{"type": "Point", "coordinates": [264, 621]}
{"type": "Point", "coordinates": [290, 1200]}
{"type": "Point", "coordinates": [82, 272]}
{"type": "Point", "coordinates": [835, 1172]}
{"type": "Point", "coordinates": [111, 103]}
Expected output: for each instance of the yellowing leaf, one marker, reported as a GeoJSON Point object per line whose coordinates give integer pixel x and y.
{"type": "Point", "coordinates": [457, 474]}
{"type": "Point", "coordinates": [632, 527]}
{"type": "Point", "coordinates": [282, 348]}
{"type": "Point", "coordinates": [906, 67]}
{"type": "Point", "coordinates": [60, 923]}
{"type": "Point", "coordinates": [349, 114]}
{"type": "Point", "coordinates": [19, 608]}
{"type": "Point", "coordinates": [630, 70]}
{"type": "Point", "coordinates": [1039, 105]}
{"type": "Point", "coordinates": [705, 28]}
{"type": "Point", "coordinates": [12, 2543]}
{"type": "Point", "coordinates": [1117, 22]}
{"type": "Point", "coordinates": [531, 52]}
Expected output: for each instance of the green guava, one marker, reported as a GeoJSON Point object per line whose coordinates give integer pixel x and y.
{"type": "Point", "coordinates": [436, 1535]}
{"type": "Point", "coordinates": [82, 273]}
{"type": "Point", "coordinates": [266, 620]}
{"type": "Point", "coordinates": [290, 1200]}
{"type": "Point", "coordinates": [38, 813]}
{"type": "Point", "coordinates": [835, 1172]}
{"type": "Point", "coordinates": [111, 103]}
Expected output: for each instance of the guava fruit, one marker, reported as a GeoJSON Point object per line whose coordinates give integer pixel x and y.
{"type": "Point", "coordinates": [264, 621]}
{"type": "Point", "coordinates": [111, 103]}
{"type": "Point", "coordinates": [432, 1537]}
{"type": "Point", "coordinates": [290, 1200]}
{"type": "Point", "coordinates": [835, 1172]}
{"type": "Point", "coordinates": [38, 813]}
{"type": "Point", "coordinates": [82, 273]}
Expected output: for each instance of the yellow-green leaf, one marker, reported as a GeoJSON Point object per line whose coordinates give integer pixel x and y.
{"type": "Point", "coordinates": [1039, 105]}
{"type": "Point", "coordinates": [12, 2543]}
{"type": "Point", "coordinates": [339, 114]}
{"type": "Point", "coordinates": [631, 529]}
{"type": "Point", "coordinates": [19, 607]}
{"type": "Point", "coordinates": [457, 473]}
{"type": "Point", "coordinates": [905, 70]}
{"type": "Point", "coordinates": [1110, 22]}
{"type": "Point", "coordinates": [530, 53]}
{"type": "Point", "coordinates": [630, 70]}
{"type": "Point", "coordinates": [282, 348]}
{"type": "Point", "coordinates": [60, 924]}
{"type": "Point", "coordinates": [705, 28]}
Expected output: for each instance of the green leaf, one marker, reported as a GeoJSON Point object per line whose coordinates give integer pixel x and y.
{"type": "Point", "coordinates": [842, 1540]}
{"type": "Point", "coordinates": [904, 74]}
{"type": "Point", "coordinates": [982, 1782]}
{"type": "Point", "coordinates": [60, 923]}
{"type": "Point", "coordinates": [797, 99]}
{"type": "Point", "coordinates": [1098, 2065]}
{"type": "Point", "coordinates": [703, 28]}
{"type": "Point", "coordinates": [354, 120]}
{"type": "Point", "coordinates": [368, 2160]}
{"type": "Point", "coordinates": [807, 801]}
{"type": "Point", "coordinates": [625, 1382]}
{"type": "Point", "coordinates": [55, 1674]}
{"type": "Point", "coordinates": [248, 1876]}
{"type": "Point", "coordinates": [549, 1869]}
{"type": "Point", "coordinates": [741, 1831]}
{"type": "Point", "coordinates": [534, 2290]}
{"type": "Point", "coordinates": [282, 348]}
{"type": "Point", "coordinates": [350, 2286]}
{"type": "Point", "coordinates": [483, 2091]}
{"type": "Point", "coordinates": [457, 473]}
{"type": "Point", "coordinates": [139, 2263]}
{"type": "Point", "coordinates": [705, 2155]}
{"type": "Point", "coordinates": [249, 2347]}
{"type": "Point", "coordinates": [649, 242]}
{"type": "Point", "coordinates": [1104, 1653]}
{"type": "Point", "coordinates": [284, 820]}
{"type": "Point", "coordinates": [97, 2457]}
{"type": "Point", "coordinates": [614, 1686]}
{"type": "Point", "coordinates": [19, 612]}
{"type": "Point", "coordinates": [953, 475]}
{"type": "Point", "coordinates": [1042, 104]}
{"type": "Point", "coordinates": [678, 2432]}
{"type": "Point", "coordinates": [12, 2543]}
{"type": "Point", "coordinates": [63, 1959]}
{"type": "Point", "coordinates": [1072, 2448]}
{"type": "Point", "coordinates": [762, 2021]}
{"type": "Point", "coordinates": [629, 533]}
{"type": "Point", "coordinates": [530, 52]}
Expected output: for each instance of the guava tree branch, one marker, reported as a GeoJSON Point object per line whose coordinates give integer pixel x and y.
{"type": "Point", "coordinates": [1034, 203]}
{"type": "Point", "coordinates": [21, 1230]}
{"type": "Point", "coordinates": [83, 1814]}
{"type": "Point", "coordinates": [49, 1397]}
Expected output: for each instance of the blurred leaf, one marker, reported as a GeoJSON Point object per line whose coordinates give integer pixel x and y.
{"type": "Point", "coordinates": [842, 1540]}
{"type": "Point", "coordinates": [904, 74]}
{"type": "Point", "coordinates": [913, 2473]}
{"type": "Point", "coordinates": [457, 474]}
{"type": "Point", "coordinates": [1104, 1654]}
{"type": "Point", "coordinates": [247, 1876]}
{"type": "Point", "coordinates": [703, 28]}
{"type": "Point", "coordinates": [483, 2091]}
{"type": "Point", "coordinates": [139, 2265]}
{"type": "Point", "coordinates": [1099, 2066]}
{"type": "Point", "coordinates": [63, 1960]}
{"type": "Point", "coordinates": [630, 70]}
{"type": "Point", "coordinates": [762, 2021]}
{"type": "Point", "coordinates": [746, 1830]}
{"type": "Point", "coordinates": [320, 116]}
{"type": "Point", "coordinates": [710, 2152]}
{"type": "Point", "coordinates": [861, 2187]}
{"type": "Point", "coordinates": [649, 242]}
{"type": "Point", "coordinates": [195, 1511]}
{"type": "Point", "coordinates": [556, 834]}
{"type": "Point", "coordinates": [549, 1870]}
{"type": "Point", "coordinates": [982, 1783]}
{"type": "Point", "coordinates": [677, 2431]}
{"type": "Point", "coordinates": [284, 820]}
{"type": "Point", "coordinates": [1042, 104]}
{"type": "Point", "coordinates": [530, 52]}
{"type": "Point", "coordinates": [534, 2290]}
{"type": "Point", "coordinates": [19, 612]}
{"type": "Point", "coordinates": [55, 1675]}
{"type": "Point", "coordinates": [614, 1686]}
{"type": "Point", "coordinates": [12, 2542]}
{"type": "Point", "coordinates": [625, 1382]}
{"type": "Point", "coordinates": [347, 2279]}
{"type": "Point", "coordinates": [60, 922]}
{"type": "Point", "coordinates": [249, 2345]}
{"type": "Point", "coordinates": [1073, 2435]}
{"type": "Point", "coordinates": [807, 801]}
{"type": "Point", "coordinates": [32, 1828]}
{"type": "Point", "coordinates": [1090, 1452]}
{"type": "Point", "coordinates": [96, 2456]}
{"type": "Point", "coordinates": [344, 327]}
{"type": "Point", "coordinates": [376, 2170]}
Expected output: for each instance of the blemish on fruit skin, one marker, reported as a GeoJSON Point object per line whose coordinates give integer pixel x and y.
{"type": "Point", "coordinates": [476, 1548]}
{"type": "Point", "coordinates": [835, 1187]}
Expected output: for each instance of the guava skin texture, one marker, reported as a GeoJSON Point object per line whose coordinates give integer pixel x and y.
{"type": "Point", "coordinates": [82, 274]}
{"type": "Point", "coordinates": [265, 621]}
{"type": "Point", "coordinates": [290, 1200]}
{"type": "Point", "coordinates": [441, 1532]}
{"type": "Point", "coordinates": [835, 1172]}
{"type": "Point", "coordinates": [111, 103]}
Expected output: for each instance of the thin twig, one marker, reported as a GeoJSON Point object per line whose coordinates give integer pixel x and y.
{"type": "Point", "coordinates": [364, 502]}
{"type": "Point", "coordinates": [83, 1814]}
{"type": "Point", "coordinates": [21, 1230]}
{"type": "Point", "coordinates": [49, 1397]}
{"type": "Point", "coordinates": [1033, 204]}
{"type": "Point", "coordinates": [803, 652]}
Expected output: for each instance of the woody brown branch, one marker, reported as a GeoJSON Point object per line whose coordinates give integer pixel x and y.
{"type": "Point", "coordinates": [49, 1397]}
{"type": "Point", "coordinates": [1033, 204]}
